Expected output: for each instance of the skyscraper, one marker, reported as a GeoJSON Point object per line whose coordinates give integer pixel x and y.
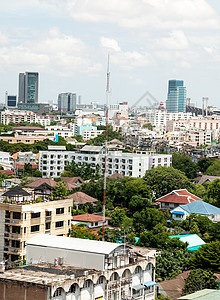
{"type": "Point", "coordinates": [176, 98]}
{"type": "Point", "coordinates": [66, 102]}
{"type": "Point", "coordinates": [28, 87]}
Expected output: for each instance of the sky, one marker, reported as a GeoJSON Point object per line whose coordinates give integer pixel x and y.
{"type": "Point", "coordinates": [149, 42]}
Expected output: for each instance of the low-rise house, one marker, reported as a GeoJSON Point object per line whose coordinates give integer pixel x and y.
{"type": "Point", "coordinates": [197, 207]}
{"type": "Point", "coordinates": [193, 240]}
{"type": "Point", "coordinates": [90, 220]}
{"type": "Point", "coordinates": [176, 198]}
{"type": "Point", "coordinates": [205, 178]}
{"type": "Point", "coordinates": [80, 198]}
{"type": "Point", "coordinates": [7, 172]}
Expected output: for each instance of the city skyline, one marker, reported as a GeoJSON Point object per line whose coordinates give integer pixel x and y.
{"type": "Point", "coordinates": [149, 43]}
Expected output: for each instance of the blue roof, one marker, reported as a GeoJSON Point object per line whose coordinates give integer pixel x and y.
{"type": "Point", "coordinates": [193, 240]}
{"type": "Point", "coordinates": [149, 283]}
{"type": "Point", "coordinates": [200, 207]}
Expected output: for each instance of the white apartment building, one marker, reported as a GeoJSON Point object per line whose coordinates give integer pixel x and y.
{"type": "Point", "coordinates": [17, 116]}
{"type": "Point", "coordinates": [159, 118]}
{"type": "Point", "coordinates": [91, 134]}
{"type": "Point", "coordinates": [6, 160]}
{"type": "Point", "coordinates": [53, 161]}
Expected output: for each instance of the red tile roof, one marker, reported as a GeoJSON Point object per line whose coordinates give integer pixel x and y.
{"type": "Point", "coordinates": [7, 172]}
{"type": "Point", "coordinates": [82, 198]}
{"type": "Point", "coordinates": [179, 197]}
{"type": "Point", "coordinates": [88, 218]}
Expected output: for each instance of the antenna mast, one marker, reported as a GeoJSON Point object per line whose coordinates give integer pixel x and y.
{"type": "Point", "coordinates": [106, 149]}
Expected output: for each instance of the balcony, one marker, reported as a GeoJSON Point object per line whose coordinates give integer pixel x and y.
{"type": "Point", "coordinates": [47, 231]}
{"type": "Point", "coordinates": [48, 218]}
{"type": "Point", "coordinates": [15, 235]}
{"type": "Point", "coordinates": [15, 221]}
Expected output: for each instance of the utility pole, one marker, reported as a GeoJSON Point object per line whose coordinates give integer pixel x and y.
{"type": "Point", "coordinates": [106, 150]}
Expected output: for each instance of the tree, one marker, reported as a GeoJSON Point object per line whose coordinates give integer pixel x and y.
{"type": "Point", "coordinates": [60, 191]}
{"type": "Point", "coordinates": [148, 126]}
{"type": "Point", "coordinates": [147, 219]}
{"type": "Point", "coordinates": [171, 260]}
{"type": "Point", "coordinates": [37, 173]}
{"type": "Point", "coordinates": [183, 162]}
{"type": "Point", "coordinates": [200, 279]}
{"type": "Point", "coordinates": [214, 168]}
{"type": "Point", "coordinates": [138, 203]}
{"type": "Point", "coordinates": [83, 233]}
{"type": "Point", "coordinates": [207, 257]}
{"type": "Point", "coordinates": [84, 170]}
{"type": "Point", "coordinates": [204, 163]}
{"type": "Point", "coordinates": [164, 180]}
{"type": "Point", "coordinates": [155, 238]}
{"type": "Point", "coordinates": [213, 192]}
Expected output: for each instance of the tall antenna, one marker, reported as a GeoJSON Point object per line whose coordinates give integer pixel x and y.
{"type": "Point", "coordinates": [106, 149]}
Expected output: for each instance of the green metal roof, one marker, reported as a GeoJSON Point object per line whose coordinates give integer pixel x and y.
{"type": "Point", "coordinates": [193, 240]}
{"type": "Point", "coordinates": [206, 294]}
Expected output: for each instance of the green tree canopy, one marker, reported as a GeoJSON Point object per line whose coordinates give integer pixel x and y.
{"type": "Point", "coordinates": [147, 219]}
{"type": "Point", "coordinates": [207, 257]}
{"type": "Point", "coordinates": [156, 238]}
{"type": "Point", "coordinates": [214, 168]}
{"type": "Point", "coordinates": [204, 163]}
{"type": "Point", "coordinates": [183, 162]}
{"type": "Point", "coordinates": [164, 180]}
{"type": "Point", "coordinates": [200, 279]}
{"type": "Point", "coordinates": [84, 170]}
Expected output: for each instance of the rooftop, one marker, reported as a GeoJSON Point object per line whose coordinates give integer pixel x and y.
{"type": "Point", "coordinates": [75, 244]}
{"type": "Point", "coordinates": [82, 198]}
{"type": "Point", "coordinates": [193, 240]}
{"type": "Point", "coordinates": [206, 294]}
{"type": "Point", "coordinates": [201, 207]}
{"type": "Point", "coordinates": [179, 196]}
{"type": "Point", "coordinates": [89, 218]}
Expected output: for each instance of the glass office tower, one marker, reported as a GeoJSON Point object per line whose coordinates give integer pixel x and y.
{"type": "Point", "coordinates": [176, 98]}
{"type": "Point", "coordinates": [28, 87]}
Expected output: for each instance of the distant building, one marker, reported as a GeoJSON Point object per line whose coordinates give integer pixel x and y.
{"type": "Point", "coordinates": [11, 101]}
{"type": "Point", "coordinates": [17, 116]}
{"type": "Point", "coordinates": [67, 102]}
{"type": "Point", "coordinates": [28, 87]}
{"type": "Point", "coordinates": [176, 98]}
{"type": "Point", "coordinates": [52, 163]}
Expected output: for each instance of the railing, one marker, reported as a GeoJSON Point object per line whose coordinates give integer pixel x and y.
{"type": "Point", "coordinates": [48, 218]}
{"type": "Point", "coordinates": [47, 231]}
{"type": "Point", "coordinates": [14, 235]}
{"type": "Point", "coordinates": [17, 221]}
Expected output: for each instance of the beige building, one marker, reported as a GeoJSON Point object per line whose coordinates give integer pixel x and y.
{"type": "Point", "coordinates": [17, 138]}
{"type": "Point", "coordinates": [20, 222]}
{"type": "Point", "coordinates": [17, 116]}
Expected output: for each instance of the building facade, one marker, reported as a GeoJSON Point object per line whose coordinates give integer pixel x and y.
{"type": "Point", "coordinates": [17, 116]}
{"type": "Point", "coordinates": [19, 222]}
{"type": "Point", "coordinates": [66, 102]}
{"type": "Point", "coordinates": [176, 98]}
{"type": "Point", "coordinates": [28, 87]}
{"type": "Point", "coordinates": [52, 163]}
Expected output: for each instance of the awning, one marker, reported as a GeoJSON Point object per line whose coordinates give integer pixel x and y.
{"type": "Point", "coordinates": [138, 287]}
{"type": "Point", "coordinates": [177, 213]}
{"type": "Point", "coordinates": [149, 283]}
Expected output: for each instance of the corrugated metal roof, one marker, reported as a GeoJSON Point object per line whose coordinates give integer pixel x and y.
{"type": "Point", "coordinates": [193, 240]}
{"type": "Point", "coordinates": [91, 148]}
{"type": "Point", "coordinates": [206, 294]}
{"type": "Point", "coordinates": [75, 244]}
{"type": "Point", "coordinates": [201, 207]}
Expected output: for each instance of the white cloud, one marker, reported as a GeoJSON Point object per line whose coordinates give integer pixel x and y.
{"type": "Point", "coordinates": [110, 43]}
{"type": "Point", "coordinates": [3, 38]}
{"type": "Point", "coordinates": [176, 41]}
{"type": "Point", "coordinates": [52, 52]}
{"type": "Point", "coordinates": [160, 14]}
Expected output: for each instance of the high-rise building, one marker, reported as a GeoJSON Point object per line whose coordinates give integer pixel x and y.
{"type": "Point", "coordinates": [176, 98]}
{"type": "Point", "coordinates": [28, 87]}
{"type": "Point", "coordinates": [10, 101]}
{"type": "Point", "coordinates": [66, 102]}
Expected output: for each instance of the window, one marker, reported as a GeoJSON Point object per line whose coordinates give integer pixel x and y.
{"type": "Point", "coordinates": [7, 214]}
{"type": "Point", "coordinates": [87, 284]}
{"type": "Point", "coordinates": [48, 213]}
{"type": "Point", "coordinates": [69, 209]}
{"type": "Point", "coordinates": [48, 225]}
{"type": "Point", "coordinates": [60, 211]}
{"type": "Point", "coordinates": [16, 215]}
{"type": "Point", "coordinates": [58, 292]}
{"type": "Point", "coordinates": [16, 229]}
{"type": "Point", "coordinates": [59, 224]}
{"type": "Point", "coordinates": [100, 280]}
{"type": "Point", "coordinates": [68, 222]}
{"type": "Point", "coordinates": [35, 228]}
{"type": "Point", "coordinates": [25, 230]}
{"type": "Point", "coordinates": [35, 215]}
{"type": "Point", "coordinates": [15, 244]}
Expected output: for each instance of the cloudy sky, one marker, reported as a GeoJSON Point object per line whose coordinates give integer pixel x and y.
{"type": "Point", "coordinates": [149, 41]}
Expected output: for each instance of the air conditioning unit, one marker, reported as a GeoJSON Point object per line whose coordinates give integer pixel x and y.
{"type": "Point", "coordinates": [85, 273]}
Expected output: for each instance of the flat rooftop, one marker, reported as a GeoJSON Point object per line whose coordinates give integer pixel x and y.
{"type": "Point", "coordinates": [44, 274]}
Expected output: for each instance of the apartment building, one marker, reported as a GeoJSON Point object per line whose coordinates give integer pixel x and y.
{"type": "Point", "coordinates": [53, 161]}
{"type": "Point", "coordinates": [17, 116]}
{"type": "Point", "coordinates": [20, 222]}
{"type": "Point", "coordinates": [26, 139]}
{"type": "Point", "coordinates": [83, 269]}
